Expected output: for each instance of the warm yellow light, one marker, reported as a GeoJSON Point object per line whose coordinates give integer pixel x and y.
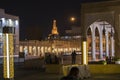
{"type": "Point", "coordinates": [85, 53]}
{"type": "Point", "coordinates": [8, 51]}
{"type": "Point", "coordinates": [72, 18]}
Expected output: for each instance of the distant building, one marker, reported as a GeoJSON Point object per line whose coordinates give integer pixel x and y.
{"type": "Point", "coordinates": [75, 30]}
{"type": "Point", "coordinates": [7, 20]}
{"type": "Point", "coordinates": [73, 33]}
{"type": "Point", "coordinates": [72, 41]}
{"type": "Point", "coordinates": [54, 44]}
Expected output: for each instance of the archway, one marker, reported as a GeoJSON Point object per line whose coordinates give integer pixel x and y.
{"type": "Point", "coordinates": [89, 43]}
{"type": "Point", "coordinates": [97, 41]}
{"type": "Point", "coordinates": [100, 39]}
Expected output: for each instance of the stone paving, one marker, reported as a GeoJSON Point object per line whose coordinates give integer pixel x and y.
{"type": "Point", "coordinates": [39, 74]}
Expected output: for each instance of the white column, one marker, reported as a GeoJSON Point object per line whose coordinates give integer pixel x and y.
{"type": "Point", "coordinates": [107, 44]}
{"type": "Point", "coordinates": [93, 45]}
{"type": "Point", "coordinates": [42, 50]}
{"type": "Point", "coordinates": [16, 35]}
{"type": "Point", "coordinates": [112, 46]}
{"type": "Point", "coordinates": [3, 22]}
{"type": "Point", "coordinates": [101, 46]}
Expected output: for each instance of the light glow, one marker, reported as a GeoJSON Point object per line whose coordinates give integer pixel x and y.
{"type": "Point", "coordinates": [10, 22]}
{"type": "Point", "coordinates": [72, 18]}
{"type": "Point", "coordinates": [16, 22]}
{"type": "Point", "coordinates": [3, 22]}
{"type": "Point", "coordinates": [7, 49]}
{"type": "Point", "coordinates": [85, 53]}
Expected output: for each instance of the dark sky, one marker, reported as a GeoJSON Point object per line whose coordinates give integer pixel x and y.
{"type": "Point", "coordinates": [36, 16]}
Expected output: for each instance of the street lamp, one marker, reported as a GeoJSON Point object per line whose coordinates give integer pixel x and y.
{"type": "Point", "coordinates": [72, 19]}
{"type": "Point", "coordinates": [8, 52]}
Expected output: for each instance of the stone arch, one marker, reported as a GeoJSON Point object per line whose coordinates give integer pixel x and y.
{"type": "Point", "coordinates": [95, 34]}
{"type": "Point", "coordinates": [97, 41]}
{"type": "Point", "coordinates": [89, 42]}
{"type": "Point", "coordinates": [107, 11]}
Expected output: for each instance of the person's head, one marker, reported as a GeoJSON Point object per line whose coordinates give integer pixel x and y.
{"type": "Point", "coordinates": [74, 71]}
{"type": "Point", "coordinates": [74, 51]}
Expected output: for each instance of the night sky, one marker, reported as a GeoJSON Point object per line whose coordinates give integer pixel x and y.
{"type": "Point", "coordinates": [36, 16]}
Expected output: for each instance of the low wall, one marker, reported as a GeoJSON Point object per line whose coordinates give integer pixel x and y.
{"type": "Point", "coordinates": [107, 69]}
{"type": "Point", "coordinates": [64, 69]}
{"type": "Point", "coordinates": [92, 69]}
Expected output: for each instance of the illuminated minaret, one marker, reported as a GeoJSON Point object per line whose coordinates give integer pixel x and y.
{"type": "Point", "coordinates": [54, 29]}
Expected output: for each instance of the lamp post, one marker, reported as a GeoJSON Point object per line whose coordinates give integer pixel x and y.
{"type": "Point", "coordinates": [8, 52]}
{"type": "Point", "coordinates": [72, 19]}
{"type": "Point", "coordinates": [85, 55]}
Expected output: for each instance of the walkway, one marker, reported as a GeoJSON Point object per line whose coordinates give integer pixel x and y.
{"type": "Point", "coordinates": [39, 74]}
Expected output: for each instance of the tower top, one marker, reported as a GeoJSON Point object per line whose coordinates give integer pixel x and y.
{"type": "Point", "coordinates": [54, 21]}
{"type": "Point", "coordinates": [54, 29]}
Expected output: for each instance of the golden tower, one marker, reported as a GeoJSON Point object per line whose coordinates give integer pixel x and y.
{"type": "Point", "coordinates": [54, 29]}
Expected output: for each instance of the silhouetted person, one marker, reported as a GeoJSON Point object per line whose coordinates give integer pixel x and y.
{"type": "Point", "coordinates": [73, 57]}
{"type": "Point", "coordinates": [48, 59]}
{"type": "Point", "coordinates": [56, 59]}
{"type": "Point", "coordinates": [72, 75]}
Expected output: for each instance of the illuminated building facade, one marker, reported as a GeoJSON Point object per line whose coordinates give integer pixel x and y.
{"type": "Point", "coordinates": [39, 48]}
{"type": "Point", "coordinates": [7, 20]}
{"type": "Point", "coordinates": [54, 44]}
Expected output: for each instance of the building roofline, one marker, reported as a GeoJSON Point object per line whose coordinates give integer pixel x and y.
{"type": "Point", "coordinates": [6, 15]}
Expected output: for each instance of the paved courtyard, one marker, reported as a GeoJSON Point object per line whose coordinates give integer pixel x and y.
{"type": "Point", "coordinates": [22, 74]}
{"type": "Point", "coordinates": [38, 74]}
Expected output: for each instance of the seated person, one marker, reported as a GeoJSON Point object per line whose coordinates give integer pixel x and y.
{"type": "Point", "coordinates": [73, 74]}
